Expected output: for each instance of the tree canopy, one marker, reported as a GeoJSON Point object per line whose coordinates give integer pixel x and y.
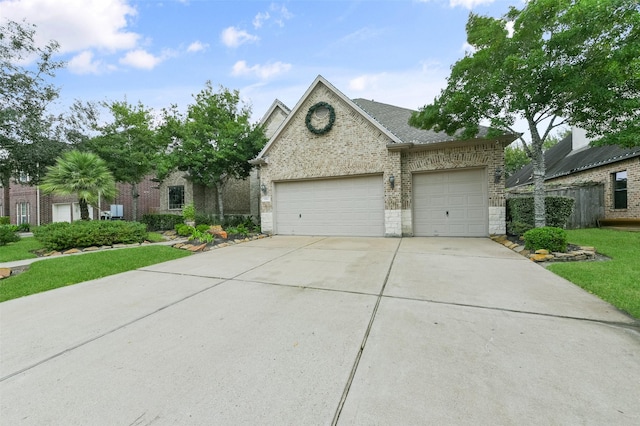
{"type": "Point", "coordinates": [28, 139]}
{"type": "Point", "coordinates": [128, 144]}
{"type": "Point", "coordinates": [81, 173]}
{"type": "Point", "coordinates": [215, 140]}
{"type": "Point", "coordinates": [551, 63]}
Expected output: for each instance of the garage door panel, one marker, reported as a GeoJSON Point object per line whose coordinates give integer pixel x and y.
{"type": "Point", "coordinates": [345, 207]}
{"type": "Point", "coordinates": [460, 193]}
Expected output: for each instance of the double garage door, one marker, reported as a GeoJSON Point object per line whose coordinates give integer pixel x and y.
{"type": "Point", "coordinates": [343, 207]}
{"type": "Point", "coordinates": [451, 203]}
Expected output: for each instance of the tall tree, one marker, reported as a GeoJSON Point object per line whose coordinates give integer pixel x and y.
{"type": "Point", "coordinates": [562, 62]}
{"type": "Point", "coordinates": [215, 141]}
{"type": "Point", "coordinates": [27, 144]}
{"type": "Point", "coordinates": [129, 145]}
{"type": "Point", "coordinates": [83, 174]}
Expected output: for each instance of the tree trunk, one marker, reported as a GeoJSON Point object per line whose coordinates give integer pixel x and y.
{"type": "Point", "coordinates": [219, 188]}
{"type": "Point", "coordinates": [539, 170]}
{"type": "Point", "coordinates": [134, 196]}
{"type": "Point", "coordinates": [6, 200]}
{"type": "Point", "coordinates": [84, 209]}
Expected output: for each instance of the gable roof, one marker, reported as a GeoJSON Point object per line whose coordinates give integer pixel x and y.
{"type": "Point", "coordinates": [277, 104]}
{"type": "Point", "coordinates": [560, 161]}
{"type": "Point", "coordinates": [391, 120]}
{"type": "Point", "coordinates": [396, 119]}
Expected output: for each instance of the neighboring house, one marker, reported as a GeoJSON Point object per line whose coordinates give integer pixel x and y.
{"type": "Point", "coordinates": [572, 161]}
{"type": "Point", "coordinates": [29, 205]}
{"type": "Point", "coordinates": [241, 196]}
{"type": "Point", "coordinates": [337, 166]}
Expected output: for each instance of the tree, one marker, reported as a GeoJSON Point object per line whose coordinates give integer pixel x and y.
{"type": "Point", "coordinates": [565, 62]}
{"type": "Point", "coordinates": [81, 173]}
{"type": "Point", "coordinates": [27, 139]}
{"type": "Point", "coordinates": [215, 141]}
{"type": "Point", "coordinates": [128, 145]}
{"type": "Point", "coordinates": [515, 157]}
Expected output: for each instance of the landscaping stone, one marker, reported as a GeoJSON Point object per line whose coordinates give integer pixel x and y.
{"type": "Point", "coordinates": [71, 251]}
{"type": "Point", "coordinates": [542, 251]}
{"type": "Point", "coordinates": [5, 273]}
{"type": "Point", "coordinates": [540, 256]}
{"type": "Point", "coordinates": [200, 247]}
{"type": "Point", "coordinates": [52, 253]}
{"type": "Point", "coordinates": [93, 248]}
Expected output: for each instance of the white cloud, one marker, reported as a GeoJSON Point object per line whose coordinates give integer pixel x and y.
{"type": "Point", "coordinates": [234, 37]}
{"type": "Point", "coordinates": [83, 63]}
{"type": "Point", "coordinates": [263, 72]}
{"type": "Point", "coordinates": [197, 46]}
{"type": "Point", "coordinates": [469, 4]}
{"type": "Point", "coordinates": [142, 59]}
{"type": "Point", "coordinates": [260, 18]}
{"type": "Point", "coordinates": [282, 14]}
{"type": "Point", "coordinates": [77, 24]}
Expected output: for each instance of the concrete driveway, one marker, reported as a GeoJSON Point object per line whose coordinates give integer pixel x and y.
{"type": "Point", "coordinates": [318, 331]}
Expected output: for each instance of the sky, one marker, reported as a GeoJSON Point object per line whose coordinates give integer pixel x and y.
{"type": "Point", "coordinates": [161, 52]}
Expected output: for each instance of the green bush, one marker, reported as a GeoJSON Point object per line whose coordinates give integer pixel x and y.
{"type": "Point", "coordinates": [549, 238]}
{"type": "Point", "coordinates": [5, 220]}
{"type": "Point", "coordinates": [63, 235]}
{"type": "Point", "coordinates": [24, 227]}
{"type": "Point", "coordinates": [520, 213]}
{"type": "Point", "coordinates": [184, 230]}
{"type": "Point", "coordinates": [161, 222]}
{"type": "Point", "coordinates": [8, 235]}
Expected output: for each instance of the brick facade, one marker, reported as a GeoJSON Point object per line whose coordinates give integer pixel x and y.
{"type": "Point", "coordinates": [356, 146]}
{"type": "Point", "coordinates": [148, 202]}
{"type": "Point", "coordinates": [603, 175]}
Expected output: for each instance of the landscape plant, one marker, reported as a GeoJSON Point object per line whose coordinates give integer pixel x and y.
{"type": "Point", "coordinates": [8, 235]}
{"type": "Point", "coordinates": [64, 235]}
{"type": "Point", "coordinates": [547, 238]}
{"type": "Point", "coordinates": [161, 222]}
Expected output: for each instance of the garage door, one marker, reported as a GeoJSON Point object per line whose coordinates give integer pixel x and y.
{"type": "Point", "coordinates": [344, 207]}
{"type": "Point", "coordinates": [450, 204]}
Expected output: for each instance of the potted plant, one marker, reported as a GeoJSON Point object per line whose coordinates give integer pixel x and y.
{"type": "Point", "coordinates": [189, 214]}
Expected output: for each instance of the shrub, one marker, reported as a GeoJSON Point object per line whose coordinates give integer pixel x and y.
{"type": "Point", "coordinates": [549, 238]}
{"type": "Point", "coordinates": [5, 220]}
{"type": "Point", "coordinates": [161, 222]}
{"type": "Point", "coordinates": [202, 227]}
{"type": "Point", "coordinates": [63, 235]}
{"type": "Point", "coordinates": [8, 235]}
{"type": "Point", "coordinates": [24, 227]}
{"type": "Point", "coordinates": [184, 230]}
{"type": "Point", "coordinates": [203, 237]}
{"type": "Point", "coordinates": [189, 212]}
{"type": "Point", "coordinates": [521, 218]}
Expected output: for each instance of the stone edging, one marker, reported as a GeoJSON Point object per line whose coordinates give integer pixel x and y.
{"type": "Point", "coordinates": [206, 247]}
{"type": "Point", "coordinates": [539, 256]}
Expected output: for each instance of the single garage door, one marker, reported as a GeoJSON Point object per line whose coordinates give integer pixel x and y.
{"type": "Point", "coordinates": [450, 204]}
{"type": "Point", "coordinates": [345, 207]}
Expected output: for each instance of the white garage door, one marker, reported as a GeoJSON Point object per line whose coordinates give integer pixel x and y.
{"type": "Point", "coordinates": [450, 204]}
{"type": "Point", "coordinates": [344, 207]}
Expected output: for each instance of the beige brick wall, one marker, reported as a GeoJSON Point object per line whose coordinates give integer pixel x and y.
{"type": "Point", "coordinates": [604, 175]}
{"type": "Point", "coordinates": [354, 147]}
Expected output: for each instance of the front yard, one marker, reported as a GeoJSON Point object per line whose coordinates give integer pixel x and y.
{"type": "Point", "coordinates": [617, 280]}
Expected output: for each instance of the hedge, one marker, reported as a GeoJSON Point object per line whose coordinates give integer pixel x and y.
{"type": "Point", "coordinates": [520, 213]}
{"type": "Point", "coordinates": [64, 235]}
{"type": "Point", "coordinates": [161, 222]}
{"type": "Point", "coordinates": [548, 238]}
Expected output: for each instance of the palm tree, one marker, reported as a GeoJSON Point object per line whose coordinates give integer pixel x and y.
{"type": "Point", "coordinates": [81, 173]}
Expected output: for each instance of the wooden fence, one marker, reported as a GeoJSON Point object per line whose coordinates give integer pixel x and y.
{"type": "Point", "coordinates": [588, 207]}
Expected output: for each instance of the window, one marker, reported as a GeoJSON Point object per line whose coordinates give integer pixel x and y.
{"type": "Point", "coordinates": [620, 190]}
{"type": "Point", "coordinates": [22, 213]}
{"type": "Point", "coordinates": [176, 197]}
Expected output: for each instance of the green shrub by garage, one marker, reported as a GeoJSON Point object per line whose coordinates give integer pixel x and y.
{"type": "Point", "coordinates": [63, 235]}
{"type": "Point", "coordinates": [548, 238]}
{"type": "Point", "coordinates": [521, 217]}
{"type": "Point", "coordinates": [8, 234]}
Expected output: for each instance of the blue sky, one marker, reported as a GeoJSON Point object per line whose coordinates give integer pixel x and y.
{"type": "Point", "coordinates": [162, 52]}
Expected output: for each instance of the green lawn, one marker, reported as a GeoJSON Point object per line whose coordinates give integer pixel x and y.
{"type": "Point", "coordinates": [618, 280]}
{"type": "Point", "coordinates": [53, 273]}
{"type": "Point", "coordinates": [19, 250]}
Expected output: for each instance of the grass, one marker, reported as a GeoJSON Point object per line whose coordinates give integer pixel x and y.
{"type": "Point", "coordinates": [618, 280]}
{"type": "Point", "coordinates": [54, 273]}
{"type": "Point", "coordinates": [19, 250]}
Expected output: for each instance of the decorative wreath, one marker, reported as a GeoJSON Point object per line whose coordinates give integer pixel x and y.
{"type": "Point", "coordinates": [329, 125]}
